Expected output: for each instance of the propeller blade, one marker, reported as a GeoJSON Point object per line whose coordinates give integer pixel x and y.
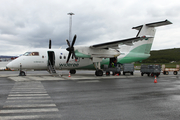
{"type": "Point", "coordinates": [71, 49]}
{"type": "Point", "coordinates": [69, 55]}
{"type": "Point", "coordinates": [68, 42]}
{"type": "Point", "coordinates": [49, 43]}
{"type": "Point", "coordinates": [74, 40]}
{"type": "Point", "coordinates": [74, 55]}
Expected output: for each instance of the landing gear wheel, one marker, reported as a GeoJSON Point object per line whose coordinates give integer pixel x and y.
{"type": "Point", "coordinates": [22, 73]}
{"type": "Point", "coordinates": [72, 71]}
{"type": "Point", "coordinates": [99, 73]}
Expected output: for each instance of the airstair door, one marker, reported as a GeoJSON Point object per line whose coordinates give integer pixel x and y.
{"type": "Point", "coordinates": [51, 62]}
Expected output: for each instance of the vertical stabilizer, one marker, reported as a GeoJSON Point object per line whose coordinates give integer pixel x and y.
{"type": "Point", "coordinates": [147, 30]}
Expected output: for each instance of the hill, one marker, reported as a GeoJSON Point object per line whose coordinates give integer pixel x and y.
{"type": "Point", "coordinates": [164, 56]}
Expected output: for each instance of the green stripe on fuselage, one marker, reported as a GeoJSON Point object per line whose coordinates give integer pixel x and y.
{"type": "Point", "coordinates": [137, 54]}
{"type": "Point", "coordinates": [81, 55]}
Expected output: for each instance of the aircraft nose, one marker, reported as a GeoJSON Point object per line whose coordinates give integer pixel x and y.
{"type": "Point", "coordinates": [9, 65]}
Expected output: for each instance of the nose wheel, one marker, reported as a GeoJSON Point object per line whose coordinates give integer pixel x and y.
{"type": "Point", "coordinates": [22, 73]}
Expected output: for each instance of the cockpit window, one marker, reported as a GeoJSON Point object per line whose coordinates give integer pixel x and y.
{"type": "Point", "coordinates": [27, 54]}
{"type": "Point", "coordinates": [31, 54]}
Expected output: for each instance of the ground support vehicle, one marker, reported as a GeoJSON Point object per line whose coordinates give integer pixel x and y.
{"type": "Point", "coordinates": [150, 70]}
{"type": "Point", "coordinates": [128, 68]}
{"type": "Point", "coordinates": [115, 70]}
{"type": "Point", "coordinates": [167, 70]}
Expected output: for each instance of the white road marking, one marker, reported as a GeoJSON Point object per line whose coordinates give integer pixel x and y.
{"type": "Point", "coordinates": [88, 81]}
{"type": "Point", "coordinates": [29, 110]}
{"type": "Point", "coordinates": [29, 101]}
{"type": "Point", "coordinates": [25, 100]}
{"type": "Point", "coordinates": [29, 105]}
{"type": "Point", "coordinates": [25, 117]}
{"type": "Point", "coordinates": [28, 92]}
{"type": "Point", "coordinates": [46, 97]}
{"type": "Point", "coordinates": [18, 95]}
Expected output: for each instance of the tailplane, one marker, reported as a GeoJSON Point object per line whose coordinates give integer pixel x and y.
{"type": "Point", "coordinates": [149, 31]}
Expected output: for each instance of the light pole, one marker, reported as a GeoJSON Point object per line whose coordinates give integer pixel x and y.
{"type": "Point", "coordinates": [70, 24]}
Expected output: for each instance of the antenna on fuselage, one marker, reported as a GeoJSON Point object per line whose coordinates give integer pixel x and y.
{"type": "Point", "coordinates": [49, 43]}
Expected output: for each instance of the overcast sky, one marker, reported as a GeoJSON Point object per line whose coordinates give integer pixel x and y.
{"type": "Point", "coordinates": [26, 24]}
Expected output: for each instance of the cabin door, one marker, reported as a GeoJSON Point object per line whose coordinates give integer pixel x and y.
{"type": "Point", "coordinates": [51, 58]}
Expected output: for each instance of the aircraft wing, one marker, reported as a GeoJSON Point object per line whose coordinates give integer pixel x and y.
{"type": "Point", "coordinates": [114, 44]}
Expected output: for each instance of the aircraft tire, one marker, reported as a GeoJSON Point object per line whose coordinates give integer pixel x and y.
{"type": "Point", "coordinates": [99, 73]}
{"type": "Point", "coordinates": [72, 71]}
{"type": "Point", "coordinates": [22, 73]}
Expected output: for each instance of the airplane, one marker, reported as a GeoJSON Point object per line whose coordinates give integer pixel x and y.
{"type": "Point", "coordinates": [90, 57]}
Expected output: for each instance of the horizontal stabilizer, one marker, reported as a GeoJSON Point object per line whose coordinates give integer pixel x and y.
{"type": "Point", "coordinates": [155, 24]}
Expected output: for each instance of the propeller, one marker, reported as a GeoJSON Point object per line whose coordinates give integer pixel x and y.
{"type": "Point", "coordinates": [49, 43]}
{"type": "Point", "coordinates": [71, 49]}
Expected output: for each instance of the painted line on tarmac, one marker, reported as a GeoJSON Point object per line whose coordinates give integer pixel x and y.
{"type": "Point", "coordinates": [28, 92]}
{"type": "Point", "coordinates": [26, 100]}
{"type": "Point", "coordinates": [46, 97]}
{"type": "Point", "coordinates": [88, 81]}
{"type": "Point", "coordinates": [29, 105]}
{"type": "Point", "coordinates": [25, 117]}
{"type": "Point", "coordinates": [29, 101]}
{"type": "Point", "coordinates": [29, 110]}
{"type": "Point", "coordinates": [18, 95]}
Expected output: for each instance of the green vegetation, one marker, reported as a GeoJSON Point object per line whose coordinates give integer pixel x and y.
{"type": "Point", "coordinates": [164, 56]}
{"type": "Point", "coordinates": [169, 57]}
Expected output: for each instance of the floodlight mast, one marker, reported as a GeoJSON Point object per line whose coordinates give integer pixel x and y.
{"type": "Point", "coordinates": [70, 24]}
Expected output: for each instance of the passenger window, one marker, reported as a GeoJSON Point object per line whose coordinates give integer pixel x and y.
{"type": "Point", "coordinates": [64, 57]}
{"type": "Point", "coordinates": [60, 57]}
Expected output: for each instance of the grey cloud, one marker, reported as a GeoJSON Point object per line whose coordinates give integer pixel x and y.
{"type": "Point", "coordinates": [32, 23]}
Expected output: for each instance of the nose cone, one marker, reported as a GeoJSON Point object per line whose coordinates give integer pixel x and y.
{"type": "Point", "coordinates": [9, 65]}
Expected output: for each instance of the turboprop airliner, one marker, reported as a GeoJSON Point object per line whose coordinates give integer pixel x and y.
{"type": "Point", "coordinates": [90, 57]}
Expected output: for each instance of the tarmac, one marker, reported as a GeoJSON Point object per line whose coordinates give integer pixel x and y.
{"type": "Point", "coordinates": [61, 75]}
{"type": "Point", "coordinates": [84, 96]}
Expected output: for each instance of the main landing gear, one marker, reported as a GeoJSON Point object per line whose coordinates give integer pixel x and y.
{"type": "Point", "coordinates": [73, 71]}
{"type": "Point", "coordinates": [99, 72]}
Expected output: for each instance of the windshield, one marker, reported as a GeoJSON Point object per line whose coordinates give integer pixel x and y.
{"type": "Point", "coordinates": [31, 54]}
